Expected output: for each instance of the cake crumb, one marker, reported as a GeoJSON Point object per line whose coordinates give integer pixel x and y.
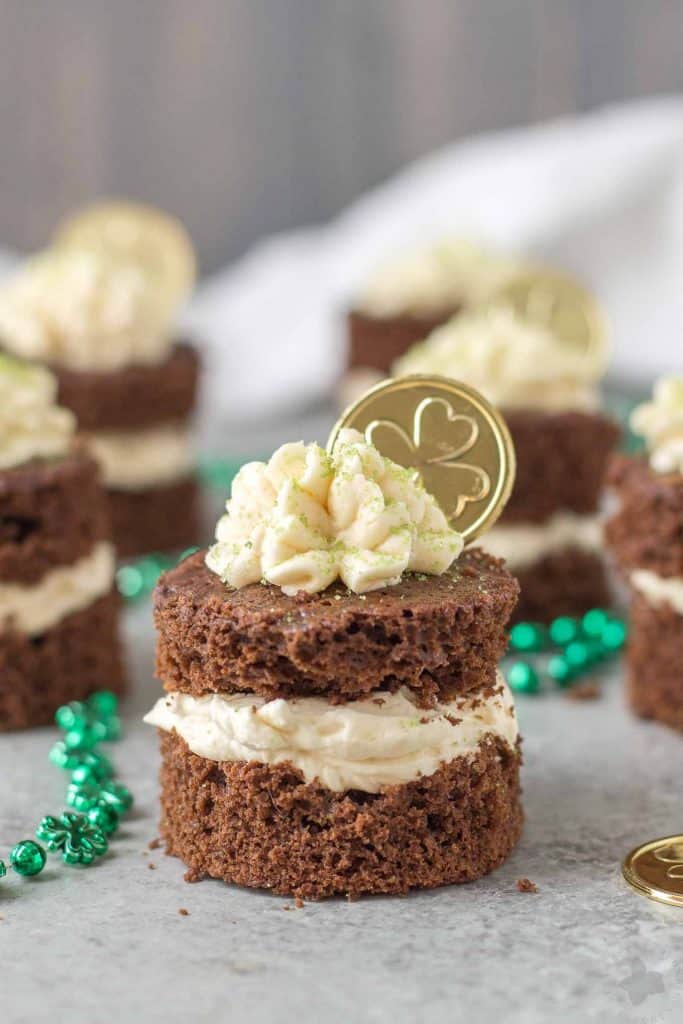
{"type": "Point", "coordinates": [151, 866]}
{"type": "Point", "coordinates": [584, 691]}
{"type": "Point", "coordinates": [526, 885]}
{"type": "Point", "coordinates": [183, 912]}
{"type": "Point", "coordinates": [154, 844]}
{"type": "Point", "coordinates": [298, 903]}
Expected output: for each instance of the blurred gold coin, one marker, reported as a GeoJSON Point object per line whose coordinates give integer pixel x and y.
{"type": "Point", "coordinates": [456, 442]}
{"type": "Point", "coordinates": [655, 870]}
{"type": "Point", "coordinates": [559, 304]}
{"type": "Point", "coordinates": [133, 232]}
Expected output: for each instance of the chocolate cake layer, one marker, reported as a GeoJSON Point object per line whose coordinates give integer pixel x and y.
{"type": "Point", "coordinates": [561, 462]}
{"type": "Point", "coordinates": [164, 518]}
{"type": "Point", "coordinates": [655, 659]}
{"type": "Point", "coordinates": [646, 531]}
{"type": "Point", "coordinates": [376, 342]}
{"type": "Point", "coordinates": [435, 634]}
{"type": "Point", "coordinates": [264, 826]}
{"type": "Point", "coordinates": [567, 582]}
{"type": "Point", "coordinates": [79, 655]}
{"type": "Point", "coordinates": [134, 397]}
{"type": "Point", "coordinates": [52, 512]}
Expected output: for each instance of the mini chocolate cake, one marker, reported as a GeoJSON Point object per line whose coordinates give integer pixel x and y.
{"type": "Point", "coordinates": [550, 532]}
{"type": "Point", "coordinates": [318, 741]}
{"type": "Point", "coordinates": [406, 299]}
{"type": "Point", "coordinates": [99, 310]}
{"type": "Point", "coordinates": [645, 535]}
{"type": "Point", "coordinates": [58, 603]}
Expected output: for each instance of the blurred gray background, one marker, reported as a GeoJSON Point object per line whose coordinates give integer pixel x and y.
{"type": "Point", "coordinates": [251, 116]}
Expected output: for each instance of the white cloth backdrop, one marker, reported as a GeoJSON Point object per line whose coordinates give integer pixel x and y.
{"type": "Point", "coordinates": [600, 195]}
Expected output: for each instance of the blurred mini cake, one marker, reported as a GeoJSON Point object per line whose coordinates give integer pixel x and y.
{"type": "Point", "coordinates": [408, 297]}
{"type": "Point", "coordinates": [58, 604]}
{"type": "Point", "coordinates": [646, 536]}
{"type": "Point", "coordinates": [550, 531]}
{"type": "Point", "coordinates": [99, 309]}
{"type": "Point", "coordinates": [335, 721]}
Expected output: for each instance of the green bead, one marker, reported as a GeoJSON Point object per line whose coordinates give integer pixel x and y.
{"type": "Point", "coordinates": [560, 670]}
{"type": "Point", "coordinates": [83, 738]}
{"type": "Point", "coordinates": [72, 716]}
{"type": "Point", "coordinates": [115, 795]}
{"type": "Point", "coordinates": [523, 678]}
{"type": "Point", "coordinates": [563, 630]}
{"type": "Point", "coordinates": [104, 818]}
{"type": "Point", "coordinates": [129, 582]}
{"type": "Point", "coordinates": [103, 704]}
{"type": "Point", "coordinates": [528, 636]}
{"type": "Point", "coordinates": [594, 622]}
{"type": "Point", "coordinates": [150, 569]}
{"type": "Point", "coordinates": [82, 797]}
{"type": "Point", "coordinates": [27, 858]}
{"type": "Point", "coordinates": [186, 554]}
{"type": "Point", "coordinates": [3, 869]}
{"type": "Point", "coordinates": [577, 655]}
{"type": "Point", "coordinates": [614, 635]}
{"type": "Point", "coordinates": [84, 775]}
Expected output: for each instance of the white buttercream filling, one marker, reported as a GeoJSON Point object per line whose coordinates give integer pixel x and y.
{"type": "Point", "coordinates": [33, 608]}
{"type": "Point", "coordinates": [368, 744]}
{"type": "Point", "coordinates": [658, 590]}
{"type": "Point", "coordinates": [522, 544]}
{"type": "Point", "coordinates": [135, 460]}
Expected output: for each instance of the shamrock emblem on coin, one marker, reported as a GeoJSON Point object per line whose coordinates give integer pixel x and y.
{"type": "Point", "coordinates": [438, 439]}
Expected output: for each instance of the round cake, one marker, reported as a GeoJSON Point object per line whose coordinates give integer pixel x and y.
{"type": "Point", "coordinates": [550, 532]}
{"type": "Point", "coordinates": [58, 603]}
{"type": "Point", "coordinates": [335, 722]}
{"type": "Point", "coordinates": [104, 322]}
{"type": "Point", "coordinates": [646, 536]}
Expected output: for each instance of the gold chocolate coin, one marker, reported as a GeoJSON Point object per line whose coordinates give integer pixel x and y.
{"type": "Point", "coordinates": [456, 442]}
{"type": "Point", "coordinates": [655, 870]}
{"type": "Point", "coordinates": [133, 232]}
{"type": "Point", "coordinates": [559, 304]}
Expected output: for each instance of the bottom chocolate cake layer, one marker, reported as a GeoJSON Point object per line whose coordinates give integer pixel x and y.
{"type": "Point", "coordinates": [262, 826]}
{"type": "Point", "coordinates": [79, 655]}
{"type": "Point", "coordinates": [165, 518]}
{"type": "Point", "coordinates": [654, 658]}
{"type": "Point", "coordinates": [567, 582]}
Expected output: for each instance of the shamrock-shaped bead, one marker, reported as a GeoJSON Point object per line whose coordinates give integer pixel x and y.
{"type": "Point", "coordinates": [3, 869]}
{"type": "Point", "coordinates": [87, 723]}
{"type": "Point", "coordinates": [27, 858]}
{"type": "Point", "coordinates": [79, 840]}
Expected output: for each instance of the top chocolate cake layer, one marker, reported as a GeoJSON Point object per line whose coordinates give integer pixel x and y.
{"type": "Point", "coordinates": [561, 462]}
{"type": "Point", "coordinates": [52, 512]}
{"type": "Point", "coordinates": [438, 635]}
{"type": "Point", "coordinates": [376, 342]}
{"type": "Point", "coordinates": [646, 531]}
{"type": "Point", "coordinates": [134, 397]}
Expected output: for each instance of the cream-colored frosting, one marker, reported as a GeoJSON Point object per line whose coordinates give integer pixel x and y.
{"type": "Point", "coordinates": [135, 460]}
{"type": "Point", "coordinates": [368, 744]}
{"type": "Point", "coordinates": [435, 279]}
{"type": "Point", "coordinates": [658, 590]}
{"type": "Point", "coordinates": [306, 518]}
{"type": "Point", "coordinates": [31, 424]}
{"type": "Point", "coordinates": [85, 310]}
{"type": "Point", "coordinates": [660, 422]}
{"type": "Point", "coordinates": [522, 544]}
{"type": "Point", "coordinates": [33, 608]}
{"type": "Point", "coordinates": [514, 363]}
